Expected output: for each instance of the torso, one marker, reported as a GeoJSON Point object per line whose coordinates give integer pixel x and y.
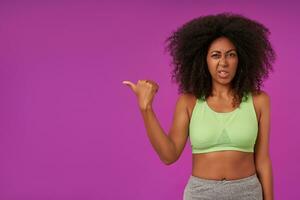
{"type": "Point", "coordinates": [221, 165]}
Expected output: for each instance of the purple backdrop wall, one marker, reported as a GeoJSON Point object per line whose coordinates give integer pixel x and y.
{"type": "Point", "coordinates": [69, 128]}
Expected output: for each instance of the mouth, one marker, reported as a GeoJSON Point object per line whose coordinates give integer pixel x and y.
{"type": "Point", "coordinates": [223, 74]}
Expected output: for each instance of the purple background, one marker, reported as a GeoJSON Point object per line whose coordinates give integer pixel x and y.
{"type": "Point", "coordinates": [69, 128]}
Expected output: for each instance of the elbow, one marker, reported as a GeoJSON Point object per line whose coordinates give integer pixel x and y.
{"type": "Point", "coordinates": [263, 165]}
{"type": "Point", "coordinates": [169, 161]}
{"type": "Point", "coordinates": [170, 158]}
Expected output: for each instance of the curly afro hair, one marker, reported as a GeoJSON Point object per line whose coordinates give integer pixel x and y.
{"type": "Point", "coordinates": [188, 47]}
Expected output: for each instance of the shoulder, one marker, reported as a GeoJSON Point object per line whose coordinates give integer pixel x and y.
{"type": "Point", "coordinates": [262, 99]}
{"type": "Point", "coordinates": [186, 97]}
{"type": "Point", "coordinates": [188, 100]}
{"type": "Point", "coordinates": [261, 102]}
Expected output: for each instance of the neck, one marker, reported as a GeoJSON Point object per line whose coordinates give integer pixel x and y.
{"type": "Point", "coordinates": [219, 90]}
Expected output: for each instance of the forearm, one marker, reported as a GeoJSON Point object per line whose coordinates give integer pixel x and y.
{"type": "Point", "coordinates": [265, 175]}
{"type": "Point", "coordinates": [159, 140]}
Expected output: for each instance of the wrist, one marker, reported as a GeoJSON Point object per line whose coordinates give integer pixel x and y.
{"type": "Point", "coordinates": [146, 108]}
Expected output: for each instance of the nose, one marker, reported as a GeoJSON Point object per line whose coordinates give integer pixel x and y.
{"type": "Point", "coordinates": [223, 61]}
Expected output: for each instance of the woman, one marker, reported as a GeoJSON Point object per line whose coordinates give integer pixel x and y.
{"type": "Point", "coordinates": [219, 63]}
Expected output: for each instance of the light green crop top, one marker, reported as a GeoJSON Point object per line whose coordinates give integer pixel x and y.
{"type": "Point", "coordinates": [217, 131]}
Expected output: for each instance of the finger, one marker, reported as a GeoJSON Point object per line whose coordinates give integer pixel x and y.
{"type": "Point", "coordinates": [130, 84]}
{"type": "Point", "coordinates": [152, 82]}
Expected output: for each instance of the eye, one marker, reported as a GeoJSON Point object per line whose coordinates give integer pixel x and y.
{"type": "Point", "coordinates": [232, 54]}
{"type": "Point", "coordinates": [215, 56]}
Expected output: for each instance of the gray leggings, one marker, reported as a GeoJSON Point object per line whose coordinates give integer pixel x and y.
{"type": "Point", "coordinates": [248, 188]}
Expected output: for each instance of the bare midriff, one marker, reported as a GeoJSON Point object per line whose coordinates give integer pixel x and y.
{"type": "Point", "coordinates": [222, 165]}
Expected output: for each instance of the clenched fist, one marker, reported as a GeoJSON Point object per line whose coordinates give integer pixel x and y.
{"type": "Point", "coordinates": [145, 91]}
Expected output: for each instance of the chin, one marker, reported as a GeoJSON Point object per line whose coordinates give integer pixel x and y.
{"type": "Point", "coordinates": [224, 81]}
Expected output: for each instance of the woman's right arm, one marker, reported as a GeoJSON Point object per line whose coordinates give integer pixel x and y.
{"type": "Point", "coordinates": [168, 147]}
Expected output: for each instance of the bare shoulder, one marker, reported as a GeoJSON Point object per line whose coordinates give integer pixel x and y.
{"type": "Point", "coordinates": [262, 99]}
{"type": "Point", "coordinates": [189, 100]}
{"type": "Point", "coordinates": [187, 97]}
{"type": "Point", "coordinates": [261, 102]}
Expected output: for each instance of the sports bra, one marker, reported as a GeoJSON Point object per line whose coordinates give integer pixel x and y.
{"type": "Point", "coordinates": [218, 131]}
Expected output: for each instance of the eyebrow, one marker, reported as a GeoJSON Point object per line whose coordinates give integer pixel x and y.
{"type": "Point", "coordinates": [220, 51]}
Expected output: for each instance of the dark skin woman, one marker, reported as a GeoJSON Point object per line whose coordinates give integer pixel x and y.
{"type": "Point", "coordinates": [218, 58]}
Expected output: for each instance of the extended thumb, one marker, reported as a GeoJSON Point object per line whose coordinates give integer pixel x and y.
{"type": "Point", "coordinates": [132, 85]}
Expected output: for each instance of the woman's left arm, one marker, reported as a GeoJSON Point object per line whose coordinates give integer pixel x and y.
{"type": "Point", "coordinates": [263, 162]}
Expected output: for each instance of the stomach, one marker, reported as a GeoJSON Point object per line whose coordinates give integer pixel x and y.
{"type": "Point", "coordinates": [221, 165]}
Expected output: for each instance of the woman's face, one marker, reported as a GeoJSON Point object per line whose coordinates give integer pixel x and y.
{"type": "Point", "coordinates": [222, 60]}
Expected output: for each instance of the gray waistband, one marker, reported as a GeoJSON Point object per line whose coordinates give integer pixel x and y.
{"type": "Point", "coordinates": [198, 179]}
